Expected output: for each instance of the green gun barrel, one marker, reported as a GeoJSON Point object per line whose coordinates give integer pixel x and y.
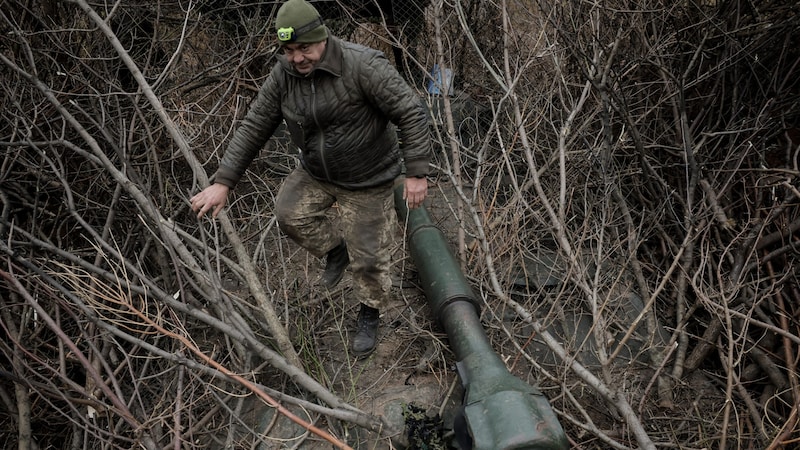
{"type": "Point", "coordinates": [500, 411]}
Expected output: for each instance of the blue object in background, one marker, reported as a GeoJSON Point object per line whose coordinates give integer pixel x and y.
{"type": "Point", "coordinates": [436, 84]}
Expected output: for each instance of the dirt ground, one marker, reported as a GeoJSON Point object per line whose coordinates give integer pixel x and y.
{"type": "Point", "coordinates": [411, 367]}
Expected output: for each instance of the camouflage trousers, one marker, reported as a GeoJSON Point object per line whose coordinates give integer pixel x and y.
{"type": "Point", "coordinates": [367, 220]}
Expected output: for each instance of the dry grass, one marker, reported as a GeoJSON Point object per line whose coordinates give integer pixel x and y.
{"type": "Point", "coordinates": [619, 184]}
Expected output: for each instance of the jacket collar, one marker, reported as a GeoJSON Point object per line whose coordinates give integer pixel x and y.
{"type": "Point", "coordinates": [331, 61]}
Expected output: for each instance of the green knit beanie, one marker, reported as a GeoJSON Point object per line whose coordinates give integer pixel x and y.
{"type": "Point", "coordinates": [299, 22]}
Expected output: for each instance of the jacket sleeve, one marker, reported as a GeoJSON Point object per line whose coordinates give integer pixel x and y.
{"type": "Point", "coordinates": [262, 119]}
{"type": "Point", "coordinates": [390, 93]}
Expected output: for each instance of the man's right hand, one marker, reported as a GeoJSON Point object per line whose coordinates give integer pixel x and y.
{"type": "Point", "coordinates": [212, 198]}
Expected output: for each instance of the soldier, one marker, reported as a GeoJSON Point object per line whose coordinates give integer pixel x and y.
{"type": "Point", "coordinates": [358, 126]}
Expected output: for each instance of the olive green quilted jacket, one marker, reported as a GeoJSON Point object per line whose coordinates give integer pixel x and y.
{"type": "Point", "coordinates": [346, 118]}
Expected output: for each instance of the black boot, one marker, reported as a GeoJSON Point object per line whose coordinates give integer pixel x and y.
{"type": "Point", "coordinates": [366, 331]}
{"type": "Point", "coordinates": [335, 263]}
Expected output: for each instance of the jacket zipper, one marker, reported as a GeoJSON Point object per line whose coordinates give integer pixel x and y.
{"type": "Point", "coordinates": [321, 148]}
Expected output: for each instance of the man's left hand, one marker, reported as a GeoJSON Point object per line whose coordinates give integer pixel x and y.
{"type": "Point", "coordinates": [415, 191]}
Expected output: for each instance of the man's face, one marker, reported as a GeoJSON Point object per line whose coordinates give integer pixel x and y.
{"type": "Point", "coordinates": [304, 56]}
